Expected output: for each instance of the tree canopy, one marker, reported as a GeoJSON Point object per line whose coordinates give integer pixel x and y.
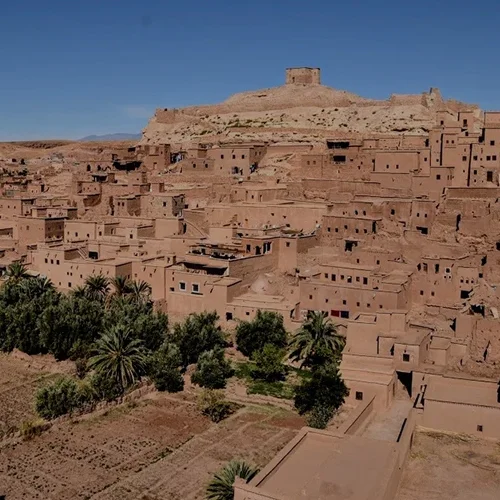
{"type": "Point", "coordinates": [266, 328]}
{"type": "Point", "coordinates": [317, 341]}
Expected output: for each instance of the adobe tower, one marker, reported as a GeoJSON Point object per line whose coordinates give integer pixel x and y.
{"type": "Point", "coordinates": [307, 76]}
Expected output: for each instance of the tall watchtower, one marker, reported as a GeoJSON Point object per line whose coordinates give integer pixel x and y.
{"type": "Point", "coordinates": [305, 76]}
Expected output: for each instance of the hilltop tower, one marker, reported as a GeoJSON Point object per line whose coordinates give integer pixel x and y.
{"type": "Point", "coordinates": [306, 76]}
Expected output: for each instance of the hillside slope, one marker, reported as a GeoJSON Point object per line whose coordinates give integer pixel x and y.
{"type": "Point", "coordinates": [292, 113]}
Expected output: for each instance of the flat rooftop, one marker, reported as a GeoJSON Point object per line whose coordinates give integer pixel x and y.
{"type": "Point", "coordinates": [460, 391]}
{"type": "Point", "coordinates": [324, 466]}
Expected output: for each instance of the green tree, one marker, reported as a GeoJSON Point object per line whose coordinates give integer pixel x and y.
{"type": "Point", "coordinates": [212, 370]}
{"type": "Point", "coordinates": [269, 363]}
{"type": "Point", "coordinates": [164, 368]}
{"type": "Point", "coordinates": [121, 285]}
{"type": "Point", "coordinates": [317, 341]}
{"type": "Point", "coordinates": [140, 291]}
{"type": "Point", "coordinates": [324, 390]}
{"type": "Point", "coordinates": [21, 305]}
{"type": "Point", "coordinates": [73, 322]}
{"type": "Point", "coordinates": [119, 356]}
{"type": "Point", "coordinates": [17, 272]}
{"type": "Point", "coordinates": [97, 287]}
{"type": "Point", "coordinates": [145, 324]}
{"type": "Point", "coordinates": [319, 416]}
{"type": "Point", "coordinates": [221, 486]}
{"type": "Point", "coordinates": [266, 328]}
{"type": "Point", "coordinates": [197, 334]}
{"type": "Point", "coordinates": [60, 398]}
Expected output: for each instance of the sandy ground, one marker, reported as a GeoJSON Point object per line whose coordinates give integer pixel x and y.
{"type": "Point", "coordinates": [156, 449]}
{"type": "Point", "coordinates": [19, 380]}
{"type": "Point", "coordinates": [451, 467]}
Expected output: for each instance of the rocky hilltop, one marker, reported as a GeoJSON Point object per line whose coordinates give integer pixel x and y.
{"type": "Point", "coordinates": [297, 112]}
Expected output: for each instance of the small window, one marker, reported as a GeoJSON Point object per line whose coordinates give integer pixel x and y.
{"type": "Point", "coordinates": [229, 316]}
{"type": "Point", "coordinates": [438, 177]}
{"type": "Point", "coordinates": [359, 396]}
{"type": "Point", "coordinates": [234, 157]}
{"type": "Point", "coordinates": [480, 427]}
{"type": "Point", "coordinates": [464, 158]}
{"type": "Point", "coordinates": [344, 302]}
{"type": "Point", "coordinates": [406, 358]}
{"type": "Point", "coordinates": [310, 297]}
{"type": "Point", "coordinates": [489, 176]}
{"type": "Point", "coordinates": [365, 281]}
{"type": "Point", "coordinates": [488, 158]}
{"type": "Point", "coordinates": [57, 262]}
{"type": "Point", "coordinates": [492, 143]}
{"type": "Point", "coordinates": [242, 157]}
{"type": "Point", "coordinates": [46, 261]}
{"type": "Point", "coordinates": [182, 285]}
{"type": "Point", "coordinates": [195, 288]}
{"type": "Point", "coordinates": [287, 244]}
{"type": "Point", "coordinates": [421, 292]}
{"type": "Point", "coordinates": [475, 157]}
{"type": "Point", "coordinates": [221, 157]}
{"type": "Point", "coordinates": [393, 212]}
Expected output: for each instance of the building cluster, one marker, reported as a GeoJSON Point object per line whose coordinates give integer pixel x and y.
{"type": "Point", "coordinates": [396, 238]}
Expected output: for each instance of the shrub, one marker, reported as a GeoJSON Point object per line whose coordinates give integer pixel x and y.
{"type": "Point", "coordinates": [104, 388]}
{"type": "Point", "coordinates": [325, 389]}
{"type": "Point", "coordinates": [212, 370]}
{"type": "Point", "coordinates": [163, 369]}
{"type": "Point", "coordinates": [198, 333]}
{"type": "Point", "coordinates": [266, 328]}
{"type": "Point", "coordinates": [269, 363]}
{"type": "Point", "coordinates": [58, 399]}
{"type": "Point", "coordinates": [319, 416]}
{"type": "Point", "coordinates": [33, 428]}
{"type": "Point", "coordinates": [212, 404]}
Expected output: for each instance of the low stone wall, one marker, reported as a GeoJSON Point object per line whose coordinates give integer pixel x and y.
{"type": "Point", "coordinates": [358, 418]}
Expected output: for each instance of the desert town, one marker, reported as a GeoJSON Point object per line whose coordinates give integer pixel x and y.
{"type": "Point", "coordinates": [382, 215]}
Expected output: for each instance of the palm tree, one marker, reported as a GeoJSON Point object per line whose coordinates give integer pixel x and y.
{"type": "Point", "coordinates": [17, 272]}
{"type": "Point", "coordinates": [122, 286]}
{"type": "Point", "coordinates": [118, 356]}
{"type": "Point", "coordinates": [140, 290]}
{"type": "Point", "coordinates": [79, 292]}
{"type": "Point", "coordinates": [36, 287]}
{"type": "Point", "coordinates": [317, 340]}
{"type": "Point", "coordinates": [97, 287]}
{"type": "Point", "coordinates": [221, 486]}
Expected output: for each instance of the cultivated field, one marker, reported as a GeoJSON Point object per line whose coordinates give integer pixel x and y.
{"type": "Point", "coordinates": [451, 467]}
{"type": "Point", "coordinates": [158, 448]}
{"type": "Point", "coordinates": [19, 381]}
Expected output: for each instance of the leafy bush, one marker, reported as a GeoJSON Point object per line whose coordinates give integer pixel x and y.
{"type": "Point", "coordinates": [60, 398]}
{"type": "Point", "coordinates": [139, 317]}
{"type": "Point", "coordinates": [212, 370]}
{"type": "Point", "coordinates": [33, 428]}
{"type": "Point", "coordinates": [104, 388]}
{"type": "Point", "coordinates": [163, 369]}
{"type": "Point", "coordinates": [325, 389]}
{"type": "Point", "coordinates": [269, 363]}
{"type": "Point", "coordinates": [319, 416]}
{"type": "Point", "coordinates": [266, 328]}
{"type": "Point", "coordinates": [212, 403]}
{"type": "Point", "coordinates": [198, 333]}
{"type": "Point", "coordinates": [72, 319]}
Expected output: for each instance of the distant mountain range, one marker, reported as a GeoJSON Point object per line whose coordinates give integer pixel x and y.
{"type": "Point", "coordinates": [111, 137]}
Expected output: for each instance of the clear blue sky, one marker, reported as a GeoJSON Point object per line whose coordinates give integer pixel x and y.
{"type": "Point", "coordinates": [71, 68]}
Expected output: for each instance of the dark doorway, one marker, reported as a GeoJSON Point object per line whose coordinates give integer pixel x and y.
{"type": "Point", "coordinates": [406, 381]}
